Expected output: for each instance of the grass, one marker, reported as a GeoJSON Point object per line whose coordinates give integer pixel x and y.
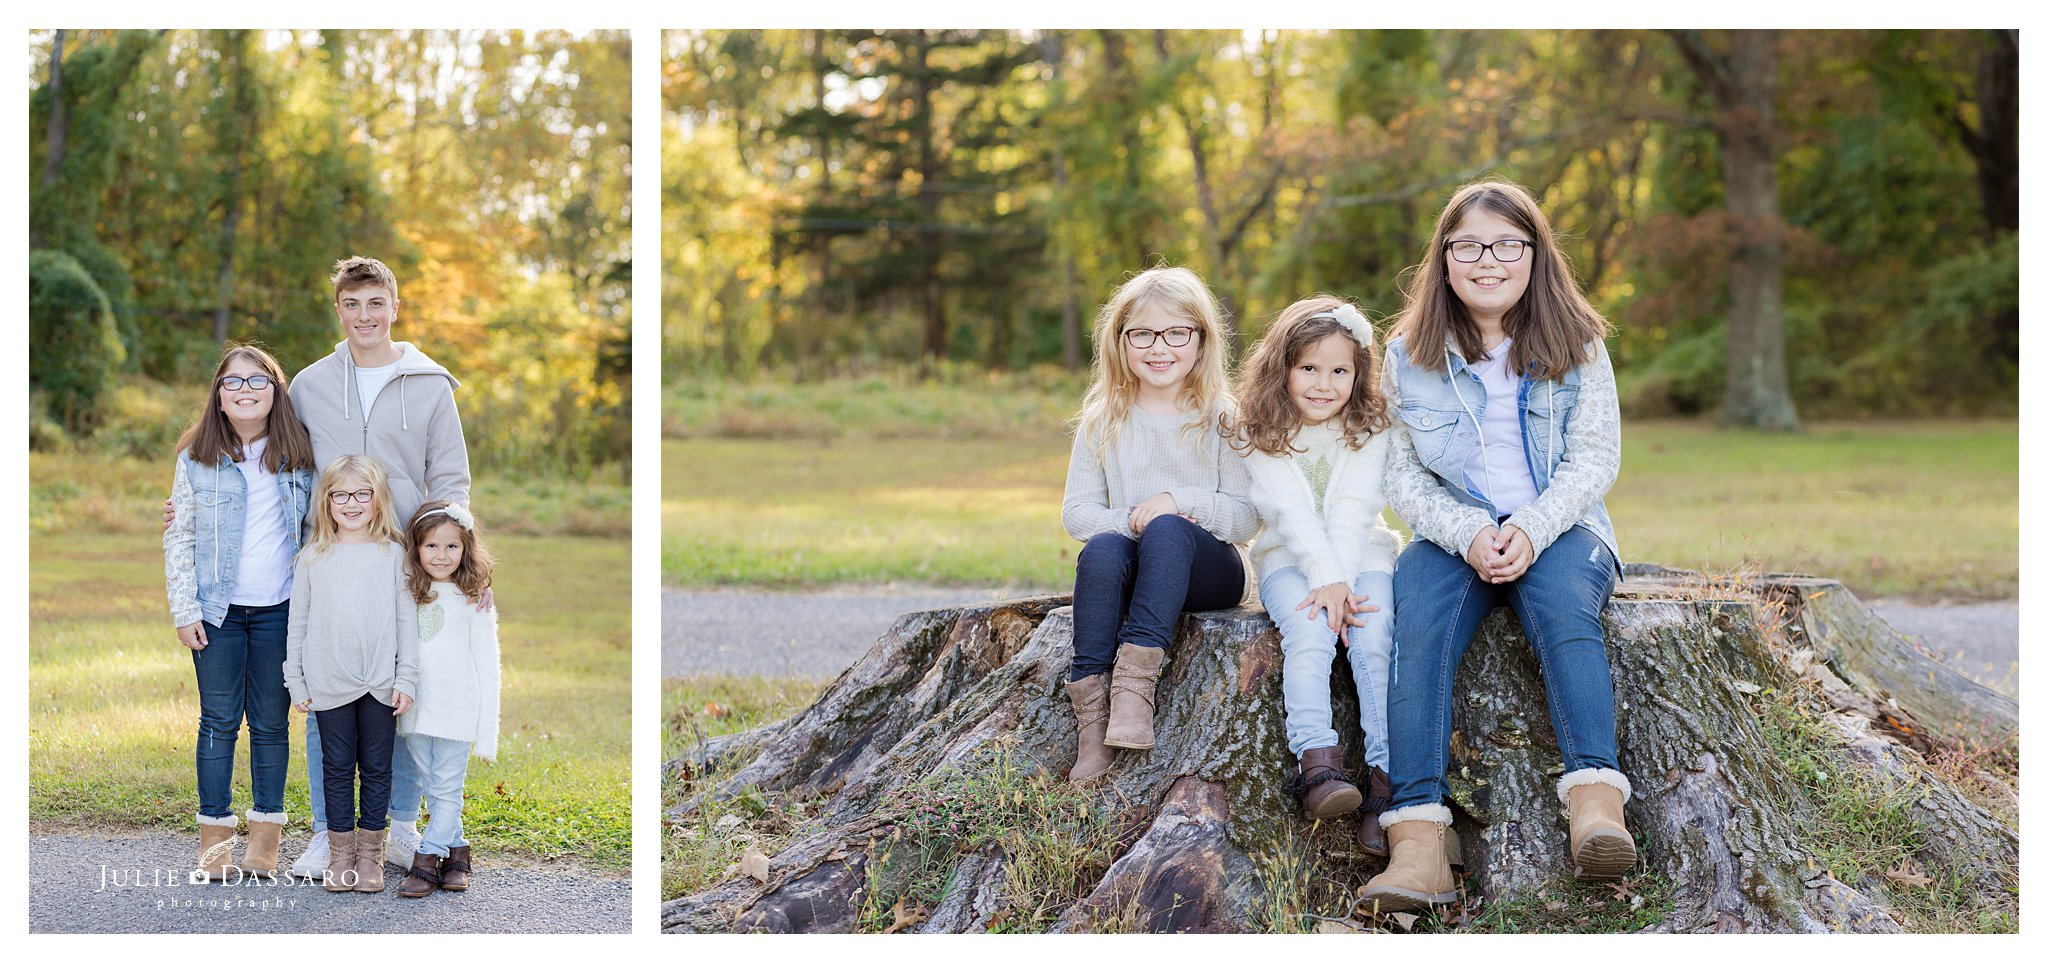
{"type": "Point", "coordinates": [1915, 509]}
{"type": "Point", "coordinates": [704, 848]}
{"type": "Point", "coordinates": [112, 708]}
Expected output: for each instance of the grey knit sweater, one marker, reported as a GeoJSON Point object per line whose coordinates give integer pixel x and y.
{"type": "Point", "coordinates": [353, 628]}
{"type": "Point", "coordinates": [1150, 455]}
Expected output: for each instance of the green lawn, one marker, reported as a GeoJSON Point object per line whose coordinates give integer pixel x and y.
{"type": "Point", "coordinates": [1927, 508]}
{"type": "Point", "coordinates": [112, 712]}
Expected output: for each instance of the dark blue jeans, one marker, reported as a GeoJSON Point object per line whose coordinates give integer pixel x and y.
{"type": "Point", "coordinates": [356, 739]}
{"type": "Point", "coordinates": [1134, 591]}
{"type": "Point", "coordinates": [241, 673]}
{"type": "Point", "coordinates": [1441, 602]}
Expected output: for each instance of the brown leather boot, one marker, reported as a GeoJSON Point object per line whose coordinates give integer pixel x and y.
{"type": "Point", "coordinates": [1372, 837]}
{"type": "Point", "coordinates": [369, 863]}
{"type": "Point", "coordinates": [1325, 793]}
{"type": "Point", "coordinates": [424, 877]}
{"type": "Point", "coordinates": [455, 869]}
{"type": "Point", "coordinates": [1600, 842]}
{"type": "Point", "coordinates": [1090, 697]}
{"type": "Point", "coordinates": [1417, 875]}
{"type": "Point", "coordinates": [1130, 696]}
{"type": "Point", "coordinates": [266, 831]}
{"type": "Point", "coordinates": [216, 845]}
{"type": "Point", "coordinates": [340, 874]}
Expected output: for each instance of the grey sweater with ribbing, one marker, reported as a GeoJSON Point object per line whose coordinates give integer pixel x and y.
{"type": "Point", "coordinates": [353, 629]}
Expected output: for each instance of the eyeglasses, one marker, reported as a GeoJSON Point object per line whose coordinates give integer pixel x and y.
{"type": "Point", "coordinates": [343, 498]}
{"type": "Point", "coordinates": [254, 382]}
{"type": "Point", "coordinates": [1176, 337]}
{"type": "Point", "coordinates": [1466, 252]}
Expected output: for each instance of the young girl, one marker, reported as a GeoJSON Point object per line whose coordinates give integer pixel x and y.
{"type": "Point", "coordinates": [243, 472]}
{"type": "Point", "coordinates": [458, 691]}
{"type": "Point", "coordinates": [1157, 497]}
{"type": "Point", "coordinates": [1313, 432]}
{"type": "Point", "coordinates": [1509, 437]}
{"type": "Point", "coordinates": [352, 659]}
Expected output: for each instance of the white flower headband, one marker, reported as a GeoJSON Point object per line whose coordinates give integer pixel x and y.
{"type": "Point", "coordinates": [457, 514]}
{"type": "Point", "coordinates": [1353, 322]}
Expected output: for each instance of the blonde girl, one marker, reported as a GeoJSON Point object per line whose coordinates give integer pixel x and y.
{"type": "Point", "coordinates": [1509, 438]}
{"type": "Point", "coordinates": [457, 715]}
{"type": "Point", "coordinates": [243, 473]}
{"type": "Point", "coordinates": [1313, 431]}
{"type": "Point", "coordinates": [1157, 498]}
{"type": "Point", "coordinates": [352, 659]}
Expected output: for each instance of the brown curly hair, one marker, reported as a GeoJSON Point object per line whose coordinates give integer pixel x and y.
{"type": "Point", "coordinates": [1267, 417]}
{"type": "Point", "coordinates": [472, 574]}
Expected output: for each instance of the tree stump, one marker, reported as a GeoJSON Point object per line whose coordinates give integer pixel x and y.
{"type": "Point", "coordinates": [957, 721]}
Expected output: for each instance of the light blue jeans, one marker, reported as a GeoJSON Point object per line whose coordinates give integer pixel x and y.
{"type": "Point", "coordinates": [406, 785]}
{"type": "Point", "coordinates": [445, 764]}
{"type": "Point", "coordinates": [1310, 647]}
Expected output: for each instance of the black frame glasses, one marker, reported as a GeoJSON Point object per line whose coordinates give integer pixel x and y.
{"type": "Point", "coordinates": [1480, 250]}
{"type": "Point", "coordinates": [359, 496]}
{"type": "Point", "coordinates": [1142, 338]}
{"type": "Point", "coordinates": [254, 382]}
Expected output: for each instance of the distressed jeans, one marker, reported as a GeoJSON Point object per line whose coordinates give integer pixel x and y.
{"type": "Point", "coordinates": [240, 674]}
{"type": "Point", "coordinates": [1134, 590]}
{"type": "Point", "coordinates": [1309, 647]}
{"type": "Point", "coordinates": [1442, 601]}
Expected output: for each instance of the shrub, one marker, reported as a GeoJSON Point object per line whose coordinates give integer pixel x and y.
{"type": "Point", "coordinates": [74, 343]}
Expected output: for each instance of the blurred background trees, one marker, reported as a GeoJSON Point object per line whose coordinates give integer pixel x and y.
{"type": "Point", "coordinates": [1831, 216]}
{"type": "Point", "coordinates": [191, 187]}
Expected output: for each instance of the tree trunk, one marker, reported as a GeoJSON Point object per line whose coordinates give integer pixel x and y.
{"type": "Point", "coordinates": [1183, 838]}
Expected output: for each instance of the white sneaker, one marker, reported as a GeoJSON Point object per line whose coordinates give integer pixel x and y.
{"type": "Point", "coordinates": [401, 844]}
{"type": "Point", "coordinates": [313, 861]}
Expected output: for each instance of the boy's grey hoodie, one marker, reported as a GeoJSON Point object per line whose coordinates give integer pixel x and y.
{"type": "Point", "coordinates": [412, 428]}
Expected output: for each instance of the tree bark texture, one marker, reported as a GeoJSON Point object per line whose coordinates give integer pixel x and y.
{"type": "Point", "coordinates": [1719, 815]}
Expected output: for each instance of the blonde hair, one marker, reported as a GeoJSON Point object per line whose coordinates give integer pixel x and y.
{"type": "Point", "coordinates": [1114, 388]}
{"type": "Point", "coordinates": [1267, 418]}
{"type": "Point", "coordinates": [383, 516]}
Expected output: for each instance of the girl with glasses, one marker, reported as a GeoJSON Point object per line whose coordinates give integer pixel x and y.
{"type": "Point", "coordinates": [240, 486]}
{"type": "Point", "coordinates": [1157, 499]}
{"type": "Point", "coordinates": [352, 659]}
{"type": "Point", "coordinates": [1507, 438]}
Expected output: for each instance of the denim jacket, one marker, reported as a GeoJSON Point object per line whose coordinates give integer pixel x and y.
{"type": "Point", "coordinates": [1571, 436]}
{"type": "Point", "coordinates": [203, 546]}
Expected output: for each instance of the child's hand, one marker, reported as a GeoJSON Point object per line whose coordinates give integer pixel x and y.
{"type": "Point", "coordinates": [1483, 551]}
{"type": "Point", "coordinates": [400, 702]}
{"type": "Point", "coordinates": [486, 603]}
{"type": "Point", "coordinates": [306, 706]}
{"type": "Point", "coordinates": [169, 513]}
{"type": "Point", "coordinates": [1334, 601]}
{"type": "Point", "coordinates": [1144, 512]}
{"type": "Point", "coordinates": [1516, 554]}
{"type": "Point", "coordinates": [194, 635]}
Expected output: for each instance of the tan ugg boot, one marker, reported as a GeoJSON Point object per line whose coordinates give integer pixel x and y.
{"type": "Point", "coordinates": [1325, 793]}
{"type": "Point", "coordinates": [340, 874]}
{"type": "Point", "coordinates": [1130, 696]}
{"type": "Point", "coordinates": [216, 845]}
{"type": "Point", "coordinates": [1090, 697]}
{"type": "Point", "coordinates": [1600, 842]}
{"type": "Point", "coordinates": [1418, 875]}
{"type": "Point", "coordinates": [369, 861]}
{"type": "Point", "coordinates": [266, 831]}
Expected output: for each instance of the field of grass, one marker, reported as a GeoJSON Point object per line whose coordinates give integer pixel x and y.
{"type": "Point", "coordinates": [1920, 509]}
{"type": "Point", "coordinates": [112, 711]}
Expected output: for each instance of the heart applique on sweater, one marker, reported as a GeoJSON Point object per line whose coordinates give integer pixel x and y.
{"type": "Point", "coordinates": [432, 617]}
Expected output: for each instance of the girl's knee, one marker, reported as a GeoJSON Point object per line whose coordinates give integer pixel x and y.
{"type": "Point", "coordinates": [1169, 530]}
{"type": "Point", "coordinates": [1106, 555]}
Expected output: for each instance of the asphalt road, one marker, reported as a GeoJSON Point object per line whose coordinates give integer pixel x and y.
{"type": "Point", "coordinates": [818, 634]}
{"type": "Point", "coordinates": [137, 884]}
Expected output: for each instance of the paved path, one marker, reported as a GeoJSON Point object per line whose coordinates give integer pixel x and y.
{"type": "Point", "coordinates": [136, 884]}
{"type": "Point", "coordinates": [818, 634]}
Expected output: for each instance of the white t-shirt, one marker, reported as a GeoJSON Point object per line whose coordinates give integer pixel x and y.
{"type": "Point", "coordinates": [369, 381]}
{"type": "Point", "coordinates": [1499, 469]}
{"type": "Point", "coordinates": [263, 574]}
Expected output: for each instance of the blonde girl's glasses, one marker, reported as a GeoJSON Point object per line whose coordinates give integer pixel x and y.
{"type": "Point", "coordinates": [1506, 251]}
{"type": "Point", "coordinates": [343, 498]}
{"type": "Point", "coordinates": [1175, 337]}
{"type": "Point", "coordinates": [253, 382]}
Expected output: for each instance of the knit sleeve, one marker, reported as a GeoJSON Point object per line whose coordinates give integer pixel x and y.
{"type": "Point", "coordinates": [408, 676]}
{"type": "Point", "coordinates": [181, 575]}
{"type": "Point", "coordinates": [1591, 460]}
{"type": "Point", "coordinates": [1086, 512]}
{"type": "Point", "coordinates": [295, 632]}
{"type": "Point", "coordinates": [1226, 509]}
{"type": "Point", "coordinates": [483, 642]}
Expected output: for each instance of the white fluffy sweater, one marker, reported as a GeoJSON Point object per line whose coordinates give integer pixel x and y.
{"type": "Point", "coordinates": [458, 687]}
{"type": "Point", "coordinates": [1348, 535]}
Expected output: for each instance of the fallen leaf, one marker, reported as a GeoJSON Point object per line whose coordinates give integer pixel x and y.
{"type": "Point", "coordinates": [1908, 874]}
{"type": "Point", "coordinates": [906, 916]}
{"type": "Point", "coordinates": [715, 711]}
{"type": "Point", "coordinates": [1406, 921]}
{"type": "Point", "coordinates": [755, 863]}
{"type": "Point", "coordinates": [1335, 926]}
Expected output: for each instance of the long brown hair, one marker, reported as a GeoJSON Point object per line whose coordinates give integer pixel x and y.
{"type": "Point", "coordinates": [211, 437]}
{"type": "Point", "coordinates": [383, 517]}
{"type": "Point", "coordinates": [1551, 325]}
{"type": "Point", "coordinates": [1267, 417]}
{"type": "Point", "coordinates": [472, 574]}
{"type": "Point", "coordinates": [1114, 389]}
